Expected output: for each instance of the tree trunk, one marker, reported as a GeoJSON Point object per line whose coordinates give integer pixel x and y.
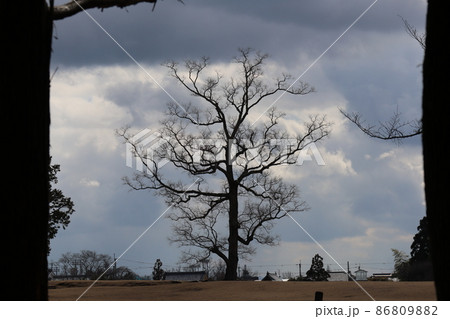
{"type": "Point", "coordinates": [25, 97]}
{"type": "Point", "coordinates": [233, 258]}
{"type": "Point", "coordinates": [436, 141]}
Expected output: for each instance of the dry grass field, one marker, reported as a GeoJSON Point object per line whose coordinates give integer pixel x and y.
{"type": "Point", "coordinates": [129, 290]}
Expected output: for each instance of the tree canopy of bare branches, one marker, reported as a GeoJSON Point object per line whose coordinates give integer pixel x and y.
{"type": "Point", "coordinates": [234, 199]}
{"type": "Point", "coordinates": [88, 264]}
{"type": "Point", "coordinates": [395, 128]}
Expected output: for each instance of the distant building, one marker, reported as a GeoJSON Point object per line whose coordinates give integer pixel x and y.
{"type": "Point", "coordinates": [337, 276]}
{"type": "Point", "coordinates": [381, 276]}
{"type": "Point", "coordinates": [361, 274]}
{"type": "Point", "coordinates": [271, 277]}
{"type": "Point", "coordinates": [186, 275]}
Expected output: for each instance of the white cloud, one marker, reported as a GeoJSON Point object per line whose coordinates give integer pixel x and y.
{"type": "Point", "coordinates": [89, 183]}
{"type": "Point", "coordinates": [386, 155]}
{"type": "Point", "coordinates": [336, 163]}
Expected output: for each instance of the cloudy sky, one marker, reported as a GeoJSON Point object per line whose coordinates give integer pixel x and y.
{"type": "Point", "coordinates": [367, 199]}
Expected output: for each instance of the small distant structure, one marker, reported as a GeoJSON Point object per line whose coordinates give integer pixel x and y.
{"type": "Point", "coordinates": [361, 274]}
{"type": "Point", "coordinates": [381, 276]}
{"type": "Point", "coordinates": [271, 277]}
{"type": "Point", "coordinates": [337, 276]}
{"type": "Point", "coordinates": [186, 275]}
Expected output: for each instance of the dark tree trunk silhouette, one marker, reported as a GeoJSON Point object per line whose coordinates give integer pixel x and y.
{"type": "Point", "coordinates": [25, 101]}
{"type": "Point", "coordinates": [26, 105]}
{"type": "Point", "coordinates": [233, 258]}
{"type": "Point", "coordinates": [436, 141]}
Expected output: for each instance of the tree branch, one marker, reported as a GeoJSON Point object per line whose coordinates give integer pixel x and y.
{"type": "Point", "coordinates": [413, 33]}
{"type": "Point", "coordinates": [392, 129]}
{"type": "Point", "coordinates": [73, 7]}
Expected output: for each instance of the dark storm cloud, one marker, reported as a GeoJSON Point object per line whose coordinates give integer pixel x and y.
{"type": "Point", "coordinates": [173, 31]}
{"type": "Point", "coordinates": [284, 29]}
{"type": "Point", "coordinates": [323, 14]}
{"type": "Point", "coordinates": [217, 28]}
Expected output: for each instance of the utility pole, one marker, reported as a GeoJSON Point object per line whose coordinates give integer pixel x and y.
{"type": "Point", "coordinates": [115, 266]}
{"type": "Point", "coordinates": [300, 268]}
{"type": "Point", "coordinates": [348, 271]}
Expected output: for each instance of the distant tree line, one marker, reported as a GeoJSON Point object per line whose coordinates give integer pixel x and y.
{"type": "Point", "coordinates": [89, 265]}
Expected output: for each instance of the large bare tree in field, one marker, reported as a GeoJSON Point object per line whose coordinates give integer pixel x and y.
{"type": "Point", "coordinates": [236, 198]}
{"type": "Point", "coordinates": [26, 96]}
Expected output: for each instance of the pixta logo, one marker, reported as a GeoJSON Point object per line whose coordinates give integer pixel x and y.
{"type": "Point", "coordinates": [141, 147]}
{"type": "Point", "coordinates": [148, 150]}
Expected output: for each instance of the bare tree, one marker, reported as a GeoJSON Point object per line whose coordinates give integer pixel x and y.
{"type": "Point", "coordinates": [236, 198]}
{"type": "Point", "coordinates": [93, 264]}
{"type": "Point", "coordinates": [395, 128]}
{"type": "Point", "coordinates": [88, 264]}
{"type": "Point", "coordinates": [68, 265]}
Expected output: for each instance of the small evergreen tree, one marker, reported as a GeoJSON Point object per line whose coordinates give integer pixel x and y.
{"type": "Point", "coordinates": [420, 248]}
{"type": "Point", "coordinates": [158, 272]}
{"type": "Point", "coordinates": [420, 266]}
{"type": "Point", "coordinates": [317, 272]}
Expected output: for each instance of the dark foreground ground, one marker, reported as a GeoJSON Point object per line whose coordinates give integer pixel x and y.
{"type": "Point", "coordinates": [140, 290]}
